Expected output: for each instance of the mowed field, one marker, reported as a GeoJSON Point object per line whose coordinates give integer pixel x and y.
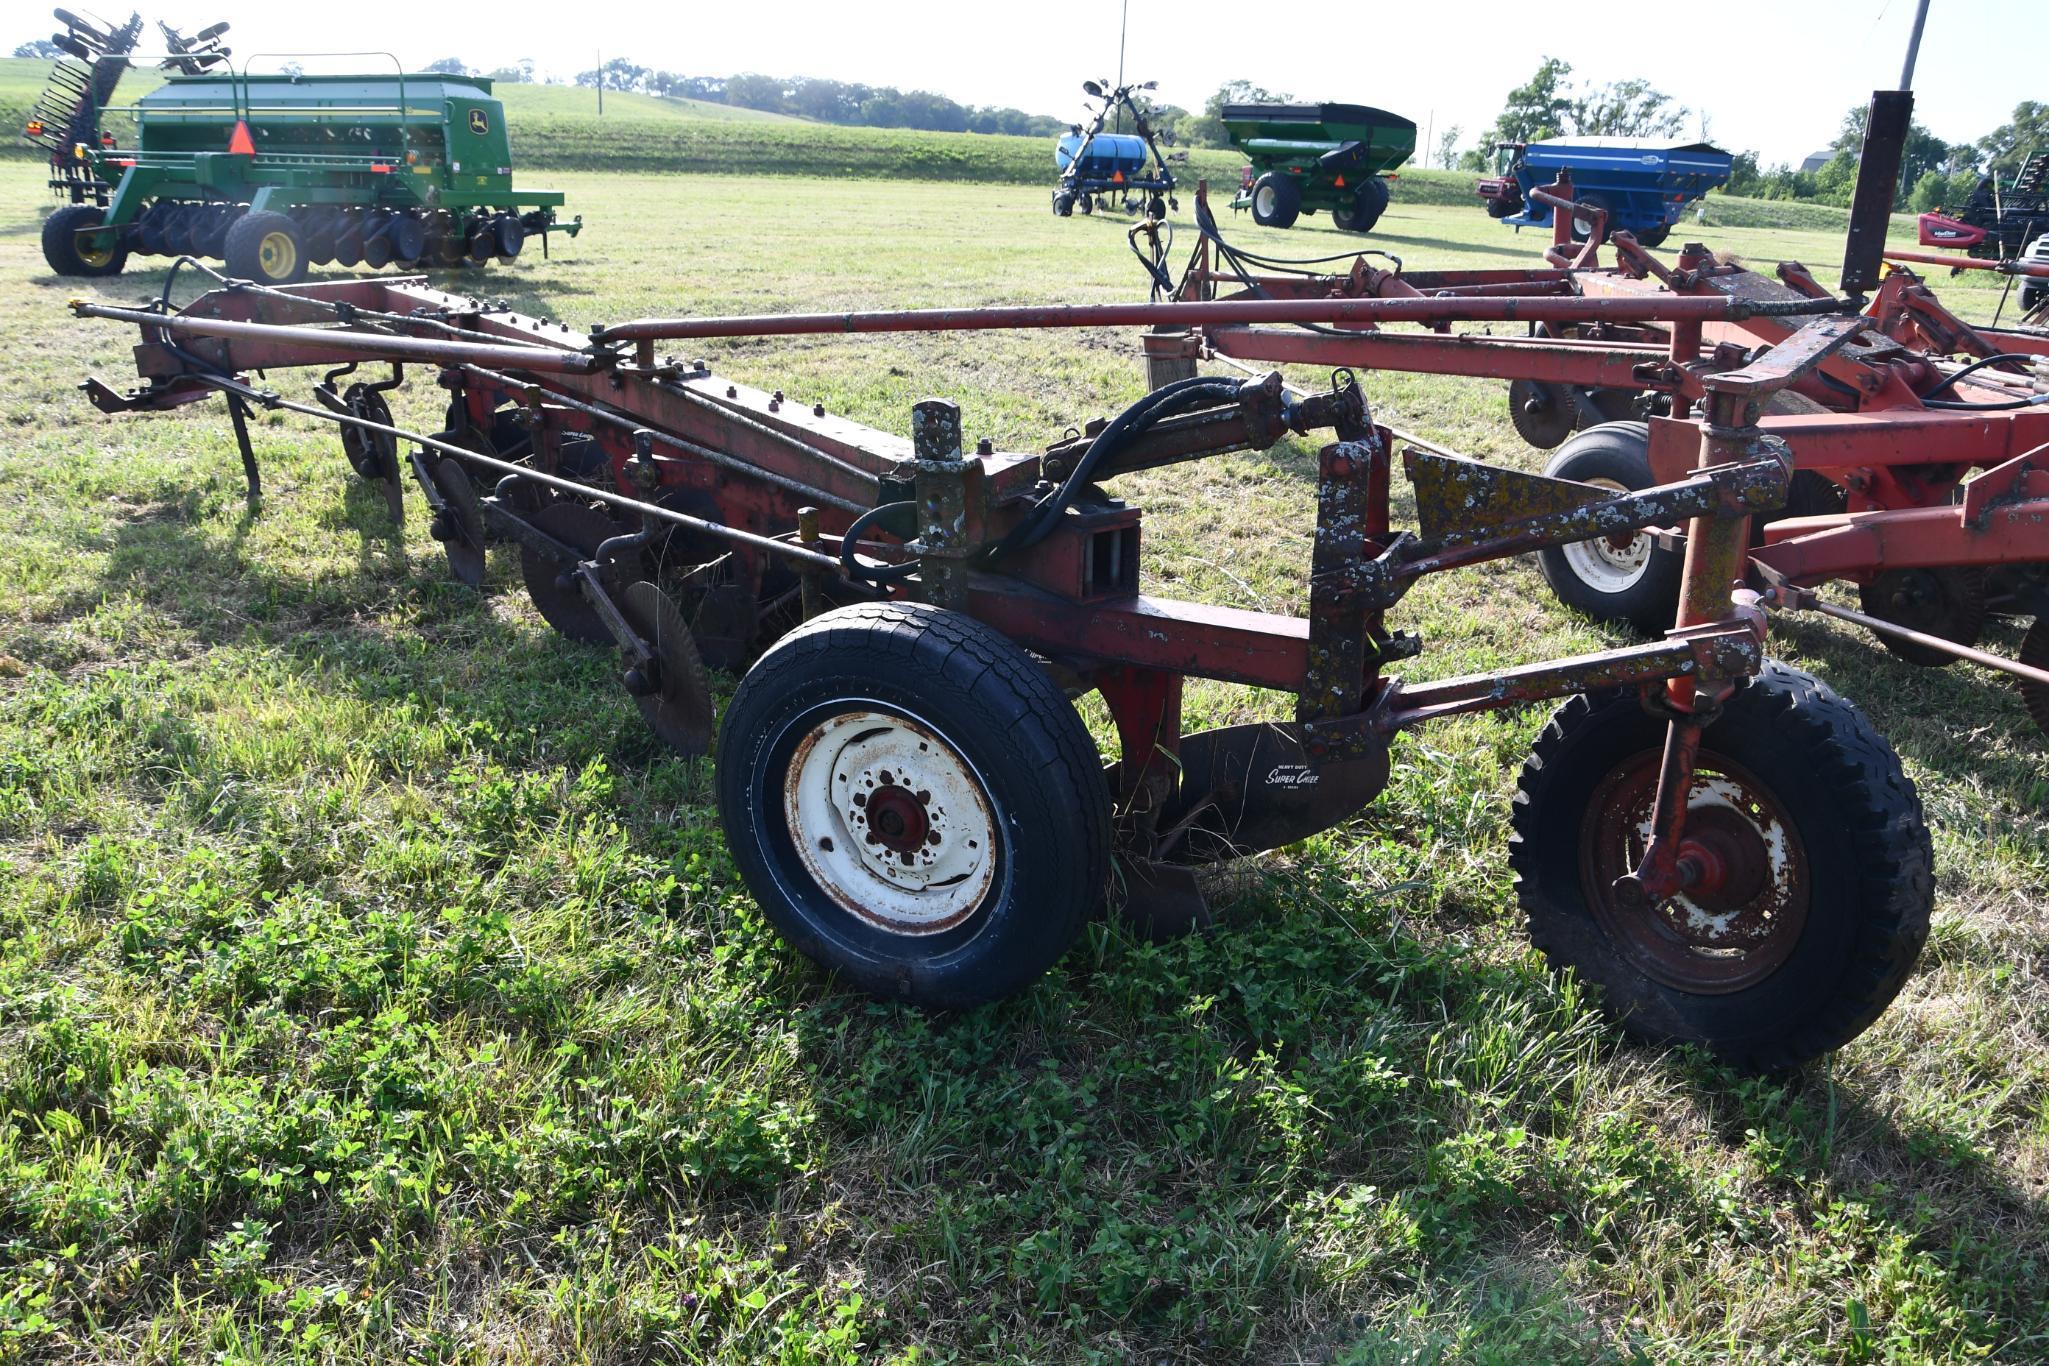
{"type": "Point", "coordinates": [373, 985]}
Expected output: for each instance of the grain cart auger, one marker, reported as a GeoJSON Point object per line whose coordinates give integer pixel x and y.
{"type": "Point", "coordinates": [1722, 843]}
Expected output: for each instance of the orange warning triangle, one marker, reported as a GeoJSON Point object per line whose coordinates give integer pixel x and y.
{"type": "Point", "coordinates": [1341, 182]}
{"type": "Point", "coordinates": [240, 144]}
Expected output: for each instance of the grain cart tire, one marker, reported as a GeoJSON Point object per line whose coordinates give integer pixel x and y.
{"type": "Point", "coordinates": [1654, 237]}
{"type": "Point", "coordinates": [1628, 578]}
{"type": "Point", "coordinates": [2035, 651]}
{"type": "Point", "coordinates": [1367, 205]}
{"type": "Point", "coordinates": [61, 248]}
{"type": "Point", "coordinates": [1825, 865]}
{"type": "Point", "coordinates": [267, 248]}
{"type": "Point", "coordinates": [1947, 601]}
{"type": "Point", "coordinates": [914, 803]}
{"type": "Point", "coordinates": [1583, 227]}
{"type": "Point", "coordinates": [1276, 201]}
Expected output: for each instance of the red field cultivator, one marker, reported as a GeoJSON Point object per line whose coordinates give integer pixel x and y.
{"type": "Point", "coordinates": [1919, 444]}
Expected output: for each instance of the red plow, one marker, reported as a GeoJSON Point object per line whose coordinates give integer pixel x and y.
{"type": "Point", "coordinates": [1725, 846]}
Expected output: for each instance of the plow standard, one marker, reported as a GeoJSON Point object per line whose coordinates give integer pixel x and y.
{"type": "Point", "coordinates": [1723, 844]}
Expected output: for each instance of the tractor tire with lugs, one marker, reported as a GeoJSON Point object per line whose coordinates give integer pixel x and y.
{"type": "Point", "coordinates": [1276, 201]}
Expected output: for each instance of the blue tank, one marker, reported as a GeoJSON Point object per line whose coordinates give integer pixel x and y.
{"type": "Point", "coordinates": [1108, 153]}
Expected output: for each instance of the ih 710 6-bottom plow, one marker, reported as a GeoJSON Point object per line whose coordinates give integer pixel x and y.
{"type": "Point", "coordinates": [1721, 843]}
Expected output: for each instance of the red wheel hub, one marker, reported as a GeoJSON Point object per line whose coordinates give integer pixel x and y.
{"type": "Point", "coordinates": [1742, 865]}
{"type": "Point", "coordinates": [897, 819]}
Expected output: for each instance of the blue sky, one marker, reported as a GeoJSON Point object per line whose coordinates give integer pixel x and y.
{"type": "Point", "coordinates": [1773, 76]}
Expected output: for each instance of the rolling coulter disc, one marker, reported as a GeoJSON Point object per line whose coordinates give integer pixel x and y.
{"type": "Point", "coordinates": [561, 603]}
{"type": "Point", "coordinates": [2035, 651]}
{"type": "Point", "coordinates": [1543, 414]}
{"type": "Point", "coordinates": [460, 525]}
{"type": "Point", "coordinates": [1947, 602]}
{"type": "Point", "coordinates": [348, 243]}
{"type": "Point", "coordinates": [672, 693]}
{"type": "Point", "coordinates": [373, 455]}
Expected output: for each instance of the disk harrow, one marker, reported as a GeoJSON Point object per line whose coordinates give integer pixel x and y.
{"type": "Point", "coordinates": [1919, 444]}
{"type": "Point", "coordinates": [903, 779]}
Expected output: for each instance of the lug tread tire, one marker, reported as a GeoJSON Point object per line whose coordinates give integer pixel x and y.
{"type": "Point", "coordinates": [1619, 451]}
{"type": "Point", "coordinates": [1005, 693]}
{"type": "Point", "coordinates": [60, 243]}
{"type": "Point", "coordinates": [1891, 862]}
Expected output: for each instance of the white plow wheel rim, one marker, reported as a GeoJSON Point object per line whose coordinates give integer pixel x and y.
{"type": "Point", "coordinates": [1600, 564]}
{"type": "Point", "coordinates": [940, 854]}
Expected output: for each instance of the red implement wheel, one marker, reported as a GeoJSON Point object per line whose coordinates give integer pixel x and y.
{"type": "Point", "coordinates": [1815, 870]}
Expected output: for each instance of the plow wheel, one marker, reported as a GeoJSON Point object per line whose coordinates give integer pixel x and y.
{"type": "Point", "coordinates": [1815, 870]}
{"type": "Point", "coordinates": [556, 596]}
{"type": "Point", "coordinates": [459, 526]}
{"type": "Point", "coordinates": [1543, 414]}
{"type": "Point", "coordinates": [1627, 577]}
{"type": "Point", "coordinates": [914, 804]}
{"type": "Point", "coordinates": [672, 692]}
{"type": "Point", "coordinates": [1947, 602]}
{"type": "Point", "coordinates": [2035, 651]}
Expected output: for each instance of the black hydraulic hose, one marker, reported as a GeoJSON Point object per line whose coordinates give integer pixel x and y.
{"type": "Point", "coordinates": [864, 573]}
{"type": "Point", "coordinates": [1973, 368]}
{"type": "Point", "coordinates": [1128, 424]}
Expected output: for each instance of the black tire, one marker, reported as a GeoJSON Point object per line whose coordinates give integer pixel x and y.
{"type": "Point", "coordinates": [1156, 209]}
{"type": "Point", "coordinates": [61, 249]}
{"type": "Point", "coordinates": [1276, 201]}
{"type": "Point", "coordinates": [1948, 602]}
{"type": "Point", "coordinates": [1636, 583]}
{"type": "Point", "coordinates": [267, 248]}
{"type": "Point", "coordinates": [1063, 204]}
{"type": "Point", "coordinates": [1003, 731]}
{"type": "Point", "coordinates": [1088, 204]}
{"type": "Point", "coordinates": [1504, 208]}
{"type": "Point", "coordinates": [1654, 237]}
{"type": "Point", "coordinates": [1848, 891]}
{"type": "Point", "coordinates": [1582, 227]}
{"type": "Point", "coordinates": [2035, 651]}
{"type": "Point", "coordinates": [1367, 205]}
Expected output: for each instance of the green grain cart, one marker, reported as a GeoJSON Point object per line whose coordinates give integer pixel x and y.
{"type": "Point", "coordinates": [276, 173]}
{"type": "Point", "coordinates": [1307, 157]}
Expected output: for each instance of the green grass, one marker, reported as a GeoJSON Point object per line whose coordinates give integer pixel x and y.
{"type": "Point", "coordinates": [372, 985]}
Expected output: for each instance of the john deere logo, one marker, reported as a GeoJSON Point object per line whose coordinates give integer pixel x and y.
{"type": "Point", "coordinates": [478, 123]}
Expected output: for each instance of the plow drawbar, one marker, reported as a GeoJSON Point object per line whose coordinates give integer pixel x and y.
{"type": "Point", "coordinates": [1720, 843]}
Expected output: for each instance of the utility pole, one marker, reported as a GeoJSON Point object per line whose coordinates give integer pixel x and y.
{"type": "Point", "coordinates": [601, 83]}
{"type": "Point", "coordinates": [1430, 138]}
{"type": "Point", "coordinates": [1914, 45]}
{"type": "Point", "coordinates": [1123, 26]}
